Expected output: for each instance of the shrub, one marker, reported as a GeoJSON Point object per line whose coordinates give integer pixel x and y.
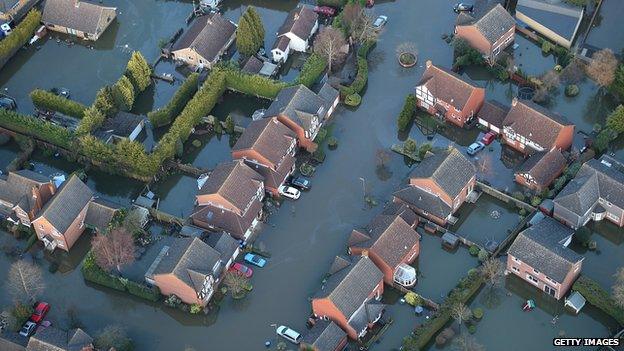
{"type": "Point", "coordinates": [19, 36]}
{"type": "Point", "coordinates": [312, 69]}
{"type": "Point", "coordinates": [477, 313]}
{"type": "Point", "coordinates": [473, 250]}
{"type": "Point", "coordinates": [166, 114]}
{"type": "Point", "coordinates": [409, 146]}
{"type": "Point", "coordinates": [572, 90]}
{"type": "Point", "coordinates": [196, 308]}
{"type": "Point", "coordinates": [20, 313]}
{"type": "Point", "coordinates": [603, 139]}
{"type": "Point", "coordinates": [472, 329]}
{"type": "Point", "coordinates": [483, 255]}
{"type": "Point", "coordinates": [412, 298]}
{"type": "Point", "coordinates": [424, 148]}
{"type": "Point", "coordinates": [353, 100]}
{"type": "Point", "coordinates": [321, 135]}
{"type": "Point", "coordinates": [518, 195]}
{"type": "Point", "coordinates": [535, 201]}
{"type": "Point", "coordinates": [252, 84]}
{"type": "Point", "coordinates": [105, 101]}
{"type": "Point", "coordinates": [546, 47]}
{"type": "Point", "coordinates": [46, 100]}
{"type": "Point", "coordinates": [407, 113]}
{"type": "Point", "coordinates": [37, 128]}
{"type": "Point", "coordinates": [599, 298]}
{"type": "Point", "coordinates": [229, 125]}
{"type": "Point", "coordinates": [332, 143]}
{"type": "Point", "coordinates": [196, 143]}
{"type": "Point", "coordinates": [582, 236]}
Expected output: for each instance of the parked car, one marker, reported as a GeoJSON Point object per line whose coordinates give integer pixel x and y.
{"type": "Point", "coordinates": [255, 260]}
{"type": "Point", "coordinates": [475, 147]}
{"type": "Point", "coordinates": [41, 309]}
{"type": "Point", "coordinates": [325, 10]}
{"type": "Point", "coordinates": [380, 21]}
{"type": "Point", "coordinates": [242, 269]}
{"type": "Point", "coordinates": [289, 192]}
{"type": "Point", "coordinates": [463, 7]}
{"type": "Point", "coordinates": [288, 334]}
{"type": "Point", "coordinates": [488, 138]}
{"type": "Point", "coordinates": [301, 182]}
{"type": "Point", "coordinates": [7, 103]}
{"type": "Point", "coordinates": [28, 329]}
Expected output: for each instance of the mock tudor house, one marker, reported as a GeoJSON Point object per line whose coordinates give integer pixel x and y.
{"type": "Point", "coordinates": [391, 243]}
{"type": "Point", "coordinates": [324, 336]}
{"type": "Point", "coordinates": [438, 186]}
{"type": "Point", "coordinates": [189, 269]}
{"type": "Point", "coordinates": [529, 127]}
{"type": "Point", "coordinates": [303, 111]}
{"type": "Point", "coordinates": [230, 200]}
{"type": "Point", "coordinates": [489, 30]}
{"type": "Point", "coordinates": [203, 44]}
{"type": "Point", "coordinates": [295, 33]}
{"type": "Point", "coordinates": [22, 194]}
{"type": "Point", "coordinates": [52, 338]}
{"type": "Point", "coordinates": [350, 294]}
{"type": "Point", "coordinates": [541, 169]}
{"type": "Point", "coordinates": [84, 19]}
{"type": "Point", "coordinates": [596, 193]}
{"type": "Point", "coordinates": [446, 94]}
{"type": "Point", "coordinates": [540, 256]}
{"type": "Point", "coordinates": [268, 147]}
{"type": "Point", "coordinates": [492, 114]}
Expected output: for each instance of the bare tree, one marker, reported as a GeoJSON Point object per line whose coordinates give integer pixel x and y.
{"type": "Point", "coordinates": [407, 47]}
{"type": "Point", "coordinates": [236, 282]}
{"type": "Point", "coordinates": [602, 67]}
{"type": "Point", "coordinates": [467, 343]}
{"type": "Point", "coordinates": [329, 44]}
{"type": "Point", "coordinates": [113, 250]}
{"type": "Point", "coordinates": [360, 25]}
{"type": "Point", "coordinates": [550, 80]}
{"type": "Point", "coordinates": [460, 313]}
{"type": "Point", "coordinates": [25, 281]}
{"type": "Point", "coordinates": [573, 73]}
{"type": "Point", "coordinates": [492, 271]}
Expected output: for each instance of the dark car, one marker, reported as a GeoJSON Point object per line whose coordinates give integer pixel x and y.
{"type": "Point", "coordinates": [41, 309]}
{"type": "Point", "coordinates": [463, 7]}
{"type": "Point", "coordinates": [488, 138]}
{"type": "Point", "coordinates": [7, 103]}
{"type": "Point", "coordinates": [300, 182]}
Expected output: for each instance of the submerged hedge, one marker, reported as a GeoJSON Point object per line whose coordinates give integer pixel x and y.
{"type": "Point", "coordinates": [46, 100]}
{"type": "Point", "coordinates": [37, 128]}
{"type": "Point", "coordinates": [598, 297]}
{"type": "Point", "coordinates": [362, 71]}
{"type": "Point", "coordinates": [167, 113]}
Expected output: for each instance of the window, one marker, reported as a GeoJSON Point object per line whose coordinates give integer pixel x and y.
{"type": "Point", "coordinates": [516, 260]}
{"type": "Point", "coordinates": [536, 271]}
{"type": "Point", "coordinates": [532, 279]}
{"type": "Point", "coordinates": [515, 269]}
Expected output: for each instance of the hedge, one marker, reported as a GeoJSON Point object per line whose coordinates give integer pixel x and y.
{"type": "Point", "coordinates": [598, 297]}
{"type": "Point", "coordinates": [362, 74]}
{"type": "Point", "coordinates": [407, 113]}
{"type": "Point", "coordinates": [165, 115]}
{"type": "Point", "coordinates": [311, 71]}
{"type": "Point", "coordinates": [46, 100]}
{"type": "Point", "coordinates": [19, 36]}
{"type": "Point", "coordinates": [37, 128]}
{"type": "Point", "coordinates": [252, 84]}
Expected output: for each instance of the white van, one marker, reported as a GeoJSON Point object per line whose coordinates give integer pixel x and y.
{"type": "Point", "coordinates": [288, 334]}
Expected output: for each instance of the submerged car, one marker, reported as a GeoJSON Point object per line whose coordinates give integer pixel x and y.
{"type": "Point", "coordinates": [289, 192]}
{"type": "Point", "coordinates": [28, 329]}
{"type": "Point", "coordinates": [7, 103]}
{"type": "Point", "coordinates": [463, 7]}
{"type": "Point", "coordinates": [475, 147]}
{"type": "Point", "coordinates": [300, 182]}
{"type": "Point", "coordinates": [288, 334]}
{"type": "Point", "coordinates": [255, 260]}
{"type": "Point", "coordinates": [242, 269]}
{"type": "Point", "coordinates": [380, 21]}
{"type": "Point", "coordinates": [41, 309]}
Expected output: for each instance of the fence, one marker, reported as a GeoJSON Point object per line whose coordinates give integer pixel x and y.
{"type": "Point", "coordinates": [504, 197]}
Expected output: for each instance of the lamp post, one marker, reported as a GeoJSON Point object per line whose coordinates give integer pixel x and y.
{"type": "Point", "coordinates": [363, 187]}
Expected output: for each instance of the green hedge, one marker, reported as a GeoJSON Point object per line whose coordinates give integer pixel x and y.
{"type": "Point", "coordinates": [311, 71]}
{"type": "Point", "coordinates": [46, 100]}
{"type": "Point", "coordinates": [362, 71]}
{"type": "Point", "coordinates": [252, 84]}
{"type": "Point", "coordinates": [20, 35]}
{"type": "Point", "coordinates": [143, 291]}
{"type": "Point", "coordinates": [36, 128]}
{"type": "Point", "coordinates": [599, 298]}
{"type": "Point", "coordinates": [407, 113]}
{"type": "Point", "coordinates": [166, 114]}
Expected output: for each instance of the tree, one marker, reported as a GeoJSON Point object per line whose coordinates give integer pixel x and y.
{"type": "Point", "coordinates": [229, 125]}
{"type": "Point", "coordinates": [113, 250]}
{"type": "Point", "coordinates": [25, 281]}
{"type": "Point", "coordinates": [550, 80]}
{"type": "Point", "coordinates": [617, 87]}
{"type": "Point", "coordinates": [409, 146]}
{"type": "Point", "coordinates": [467, 343]}
{"type": "Point", "coordinates": [250, 32]}
{"type": "Point", "coordinates": [382, 156]}
{"type": "Point", "coordinates": [236, 282]}
{"type": "Point", "coordinates": [328, 44]}
{"type": "Point", "coordinates": [573, 73]}
{"type": "Point", "coordinates": [602, 67]}
{"type": "Point", "coordinates": [113, 336]}
{"type": "Point", "coordinates": [603, 139]}
{"type": "Point", "coordinates": [139, 72]}
{"type": "Point", "coordinates": [123, 94]}
{"type": "Point", "coordinates": [615, 121]}
{"type": "Point", "coordinates": [105, 102]}
{"type": "Point", "coordinates": [460, 313]}
{"type": "Point", "coordinates": [360, 24]}
{"type": "Point", "coordinates": [492, 271]}
{"type": "Point", "coordinates": [92, 119]}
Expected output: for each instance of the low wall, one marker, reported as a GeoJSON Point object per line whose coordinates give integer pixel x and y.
{"type": "Point", "coordinates": [504, 197]}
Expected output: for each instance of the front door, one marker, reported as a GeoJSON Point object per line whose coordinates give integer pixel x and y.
{"type": "Point", "coordinates": [550, 291]}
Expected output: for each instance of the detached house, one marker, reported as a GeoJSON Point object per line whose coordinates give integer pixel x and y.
{"type": "Point", "coordinates": [438, 186]}
{"type": "Point", "coordinates": [596, 193]}
{"type": "Point", "coordinates": [303, 111]}
{"type": "Point", "coordinates": [391, 243]}
{"type": "Point", "coordinates": [205, 41]}
{"type": "Point", "coordinates": [189, 269]}
{"type": "Point", "coordinates": [295, 33]}
{"type": "Point", "coordinates": [488, 30]}
{"type": "Point", "coordinates": [230, 200]}
{"type": "Point", "coordinates": [350, 294]}
{"type": "Point", "coordinates": [52, 338]}
{"type": "Point", "coordinates": [529, 127]}
{"type": "Point", "coordinates": [84, 19]}
{"type": "Point", "coordinates": [446, 94]}
{"type": "Point", "coordinates": [268, 147]}
{"type": "Point", "coordinates": [15, 10]}
{"type": "Point", "coordinates": [540, 256]}
{"type": "Point", "coordinates": [492, 115]}
{"type": "Point", "coordinates": [22, 194]}
{"type": "Point", "coordinates": [541, 169]}
{"type": "Point", "coordinates": [324, 336]}
{"type": "Point", "coordinates": [123, 125]}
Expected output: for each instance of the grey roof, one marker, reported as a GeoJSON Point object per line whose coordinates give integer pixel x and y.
{"type": "Point", "coordinates": [350, 287]}
{"type": "Point", "coordinates": [576, 300]}
{"type": "Point", "coordinates": [269, 137]}
{"type": "Point", "coordinates": [544, 166]}
{"type": "Point", "coordinates": [120, 125]}
{"type": "Point", "coordinates": [253, 65]}
{"type": "Point", "coordinates": [559, 17]}
{"type": "Point", "coordinates": [220, 219]}
{"type": "Point", "coordinates": [425, 201]}
{"type": "Point", "coordinates": [535, 122]}
{"type": "Point", "coordinates": [100, 213]}
{"type": "Point", "coordinates": [299, 104]}
{"type": "Point", "coordinates": [300, 22]}
{"type": "Point", "coordinates": [190, 260]}
{"type": "Point", "coordinates": [281, 43]}
{"type": "Point", "coordinates": [493, 22]}
{"type": "Point", "coordinates": [65, 206]}
{"type": "Point", "coordinates": [16, 187]}
{"type": "Point", "coordinates": [208, 35]}
{"type": "Point", "coordinates": [324, 335]}
{"type": "Point", "coordinates": [7, 5]}
{"type": "Point", "coordinates": [329, 94]}
{"type": "Point", "coordinates": [223, 243]}
{"type": "Point", "coordinates": [401, 209]}
{"type": "Point", "coordinates": [447, 85]}
{"type": "Point", "coordinates": [80, 15]}
{"type": "Point", "coordinates": [236, 182]}
{"type": "Point", "coordinates": [541, 247]}
{"type": "Point", "coordinates": [597, 179]}
{"type": "Point", "coordinates": [366, 314]}
{"type": "Point", "coordinates": [493, 112]}
{"type": "Point", "coordinates": [54, 339]}
{"type": "Point", "coordinates": [450, 169]}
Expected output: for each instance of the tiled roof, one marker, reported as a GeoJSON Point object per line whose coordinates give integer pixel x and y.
{"type": "Point", "coordinates": [324, 335]}
{"type": "Point", "coordinates": [425, 201]}
{"type": "Point", "coordinates": [281, 43]}
{"type": "Point", "coordinates": [236, 182]}
{"type": "Point", "coordinates": [80, 15]}
{"type": "Point", "coordinates": [253, 65]}
{"type": "Point", "coordinates": [269, 137]}
{"type": "Point", "coordinates": [492, 22]}
{"type": "Point", "coordinates": [223, 243]}
{"type": "Point", "coordinates": [493, 112]}
{"type": "Point", "coordinates": [100, 213]}
{"type": "Point", "coordinates": [366, 315]}
{"type": "Point", "coordinates": [120, 125]}
{"type": "Point", "coordinates": [16, 187]}
{"type": "Point", "coordinates": [447, 85]}
{"type": "Point", "coordinates": [208, 35]}
{"type": "Point", "coordinates": [544, 166]}
{"type": "Point", "coordinates": [541, 247]}
{"type": "Point", "coordinates": [450, 169]}
{"type": "Point", "coordinates": [329, 94]}
{"type": "Point", "coordinates": [300, 22]}
{"type": "Point", "coordinates": [65, 206]}
{"type": "Point", "coordinates": [227, 220]}
{"type": "Point", "coordinates": [535, 123]}
{"type": "Point", "coordinates": [54, 339]}
{"type": "Point", "coordinates": [299, 104]}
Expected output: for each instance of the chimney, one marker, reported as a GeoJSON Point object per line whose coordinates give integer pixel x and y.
{"type": "Point", "coordinates": [76, 3]}
{"type": "Point", "coordinates": [364, 253]}
{"type": "Point", "coordinates": [514, 102]}
{"type": "Point", "coordinates": [428, 63]}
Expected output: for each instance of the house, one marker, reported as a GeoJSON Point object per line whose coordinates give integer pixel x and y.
{"type": "Point", "coordinates": [22, 194]}
{"type": "Point", "coordinates": [557, 21]}
{"type": "Point", "coordinates": [391, 243]}
{"type": "Point", "coordinates": [15, 10]}
{"type": "Point", "coordinates": [350, 294]}
{"type": "Point", "coordinates": [303, 111]}
{"type": "Point", "coordinates": [254, 65]}
{"type": "Point", "coordinates": [529, 127]}
{"type": "Point", "coordinates": [63, 219]}
{"type": "Point", "coordinates": [596, 193]}
{"type": "Point", "coordinates": [324, 336]}
{"type": "Point", "coordinates": [438, 186]}
{"type": "Point", "coordinates": [541, 169]}
{"type": "Point", "coordinates": [228, 247]}
{"type": "Point", "coordinates": [123, 125]}
{"type": "Point", "coordinates": [492, 114]}
{"type": "Point", "coordinates": [189, 269]}
{"type": "Point", "coordinates": [268, 147]}
{"type": "Point", "coordinates": [489, 30]}
{"type": "Point", "coordinates": [331, 98]}
{"type": "Point", "coordinates": [52, 338]}
{"type": "Point", "coordinates": [295, 33]}
{"type": "Point", "coordinates": [84, 19]}
{"type": "Point", "coordinates": [446, 94]}
{"type": "Point", "coordinates": [230, 200]}
{"type": "Point", "coordinates": [540, 256]}
{"type": "Point", "coordinates": [205, 41]}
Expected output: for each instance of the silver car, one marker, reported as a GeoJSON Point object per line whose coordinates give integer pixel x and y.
{"type": "Point", "coordinates": [380, 21]}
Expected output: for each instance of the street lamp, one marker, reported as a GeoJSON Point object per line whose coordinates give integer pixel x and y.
{"type": "Point", "coordinates": [363, 186]}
